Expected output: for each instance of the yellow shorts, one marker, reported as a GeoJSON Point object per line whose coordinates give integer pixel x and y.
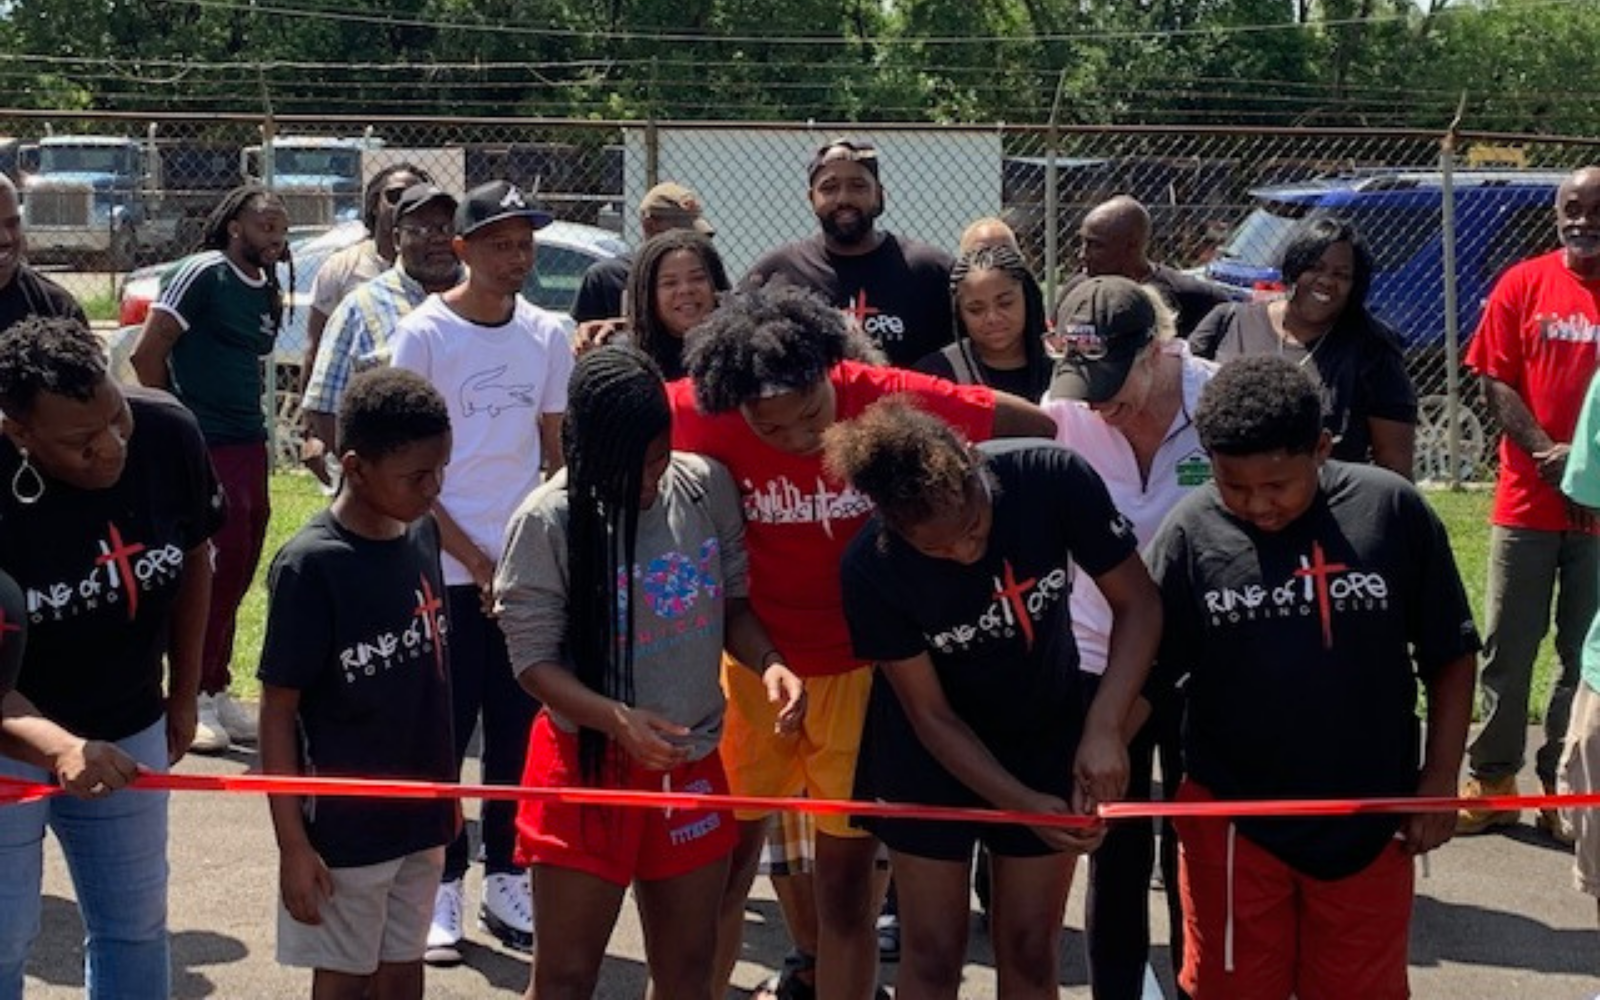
{"type": "Point", "coordinates": [819, 760]}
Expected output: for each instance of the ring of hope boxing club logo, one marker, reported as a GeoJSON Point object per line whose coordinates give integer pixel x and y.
{"type": "Point", "coordinates": [1018, 602]}
{"type": "Point", "coordinates": [122, 569]}
{"type": "Point", "coordinates": [1319, 587]}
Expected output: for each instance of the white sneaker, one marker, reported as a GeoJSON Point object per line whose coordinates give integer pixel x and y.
{"type": "Point", "coordinates": [507, 910]}
{"type": "Point", "coordinates": [209, 734]}
{"type": "Point", "coordinates": [444, 933]}
{"type": "Point", "coordinates": [239, 720]}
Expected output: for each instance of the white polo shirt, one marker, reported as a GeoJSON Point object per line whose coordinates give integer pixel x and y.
{"type": "Point", "coordinates": [1179, 466]}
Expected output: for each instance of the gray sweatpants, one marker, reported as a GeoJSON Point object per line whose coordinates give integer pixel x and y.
{"type": "Point", "coordinates": [1527, 568]}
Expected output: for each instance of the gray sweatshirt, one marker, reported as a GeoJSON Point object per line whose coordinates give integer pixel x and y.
{"type": "Point", "coordinates": [690, 559]}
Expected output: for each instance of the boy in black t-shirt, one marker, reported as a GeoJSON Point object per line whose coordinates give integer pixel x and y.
{"type": "Point", "coordinates": [355, 655]}
{"type": "Point", "coordinates": [958, 591]}
{"type": "Point", "coordinates": [1305, 598]}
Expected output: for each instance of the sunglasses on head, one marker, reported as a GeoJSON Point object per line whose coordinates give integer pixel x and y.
{"type": "Point", "coordinates": [392, 195]}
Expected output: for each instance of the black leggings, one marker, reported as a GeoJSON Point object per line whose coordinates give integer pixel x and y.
{"type": "Point", "coordinates": [481, 680]}
{"type": "Point", "coordinates": [1118, 915]}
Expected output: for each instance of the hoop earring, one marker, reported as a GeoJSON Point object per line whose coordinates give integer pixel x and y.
{"type": "Point", "coordinates": [17, 481]}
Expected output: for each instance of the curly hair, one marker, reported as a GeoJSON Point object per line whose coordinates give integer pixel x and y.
{"type": "Point", "coordinates": [912, 465]}
{"type": "Point", "coordinates": [386, 409]}
{"type": "Point", "coordinates": [763, 342]}
{"type": "Point", "coordinates": [54, 354]}
{"type": "Point", "coordinates": [649, 333]}
{"type": "Point", "coordinates": [616, 406]}
{"type": "Point", "coordinates": [1259, 404]}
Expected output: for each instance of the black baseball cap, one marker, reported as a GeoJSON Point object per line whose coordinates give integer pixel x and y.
{"type": "Point", "coordinates": [1102, 324]}
{"type": "Point", "coordinates": [494, 201]}
{"type": "Point", "coordinates": [849, 150]}
{"type": "Point", "coordinates": [418, 195]}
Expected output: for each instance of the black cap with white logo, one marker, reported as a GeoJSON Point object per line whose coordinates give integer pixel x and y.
{"type": "Point", "coordinates": [494, 201]}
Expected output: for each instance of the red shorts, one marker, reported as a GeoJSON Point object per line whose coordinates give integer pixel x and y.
{"type": "Point", "coordinates": [1292, 935]}
{"type": "Point", "coordinates": [617, 843]}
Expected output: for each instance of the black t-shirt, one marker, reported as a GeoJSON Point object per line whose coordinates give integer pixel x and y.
{"type": "Point", "coordinates": [998, 631]}
{"type": "Point", "coordinates": [30, 293]}
{"type": "Point", "coordinates": [100, 571]}
{"type": "Point", "coordinates": [900, 292]}
{"type": "Point", "coordinates": [1191, 297]}
{"type": "Point", "coordinates": [600, 294]}
{"type": "Point", "coordinates": [357, 626]}
{"type": "Point", "coordinates": [1359, 367]}
{"type": "Point", "coordinates": [960, 363]}
{"type": "Point", "coordinates": [1303, 649]}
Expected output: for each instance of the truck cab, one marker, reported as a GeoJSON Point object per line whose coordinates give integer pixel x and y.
{"type": "Point", "coordinates": [319, 179]}
{"type": "Point", "coordinates": [87, 198]}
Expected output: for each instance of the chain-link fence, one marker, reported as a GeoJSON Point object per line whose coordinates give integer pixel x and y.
{"type": "Point", "coordinates": [104, 193]}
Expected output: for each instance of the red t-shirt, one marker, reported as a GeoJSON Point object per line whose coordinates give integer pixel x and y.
{"type": "Point", "coordinates": [799, 520]}
{"type": "Point", "coordinates": [1538, 335]}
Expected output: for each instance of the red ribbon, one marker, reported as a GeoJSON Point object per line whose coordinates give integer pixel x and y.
{"type": "Point", "coordinates": [17, 791]}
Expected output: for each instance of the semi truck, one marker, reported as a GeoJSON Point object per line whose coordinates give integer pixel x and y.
{"type": "Point", "coordinates": [319, 178]}
{"type": "Point", "coordinates": [115, 200]}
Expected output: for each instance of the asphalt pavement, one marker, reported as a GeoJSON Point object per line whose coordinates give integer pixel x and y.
{"type": "Point", "coordinates": [1496, 917]}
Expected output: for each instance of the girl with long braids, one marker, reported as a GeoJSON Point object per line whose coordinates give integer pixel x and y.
{"type": "Point", "coordinates": [1000, 325]}
{"type": "Point", "coordinates": [624, 576]}
{"type": "Point", "coordinates": [959, 592]}
{"type": "Point", "coordinates": [218, 315]}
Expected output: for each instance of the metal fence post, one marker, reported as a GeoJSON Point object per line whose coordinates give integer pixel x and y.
{"type": "Point", "coordinates": [1052, 199]}
{"type": "Point", "coordinates": [1452, 331]}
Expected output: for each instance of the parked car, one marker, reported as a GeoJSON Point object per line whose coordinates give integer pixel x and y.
{"type": "Point", "coordinates": [565, 251]}
{"type": "Point", "coordinates": [1501, 216]}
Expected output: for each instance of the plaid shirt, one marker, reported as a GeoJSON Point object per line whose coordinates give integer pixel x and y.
{"type": "Point", "coordinates": [357, 335]}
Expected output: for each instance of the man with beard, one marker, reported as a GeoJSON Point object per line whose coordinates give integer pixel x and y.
{"type": "Point", "coordinates": [218, 315]}
{"type": "Point", "coordinates": [897, 289]}
{"type": "Point", "coordinates": [25, 292]}
{"type": "Point", "coordinates": [1535, 352]}
{"type": "Point", "coordinates": [361, 324]}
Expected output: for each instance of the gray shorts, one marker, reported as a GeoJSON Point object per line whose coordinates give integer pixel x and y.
{"type": "Point", "coordinates": [378, 914]}
{"type": "Point", "coordinates": [1579, 774]}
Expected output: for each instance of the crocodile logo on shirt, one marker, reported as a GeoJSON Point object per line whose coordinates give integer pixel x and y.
{"type": "Point", "coordinates": [483, 393]}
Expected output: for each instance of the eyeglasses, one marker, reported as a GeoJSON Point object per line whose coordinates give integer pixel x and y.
{"type": "Point", "coordinates": [423, 231]}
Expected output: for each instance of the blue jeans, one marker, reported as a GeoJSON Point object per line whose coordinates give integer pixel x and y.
{"type": "Point", "coordinates": [116, 850]}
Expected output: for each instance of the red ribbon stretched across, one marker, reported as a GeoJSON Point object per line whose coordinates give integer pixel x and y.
{"type": "Point", "coordinates": [13, 790]}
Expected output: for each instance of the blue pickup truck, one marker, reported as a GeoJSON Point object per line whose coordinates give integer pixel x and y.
{"type": "Point", "coordinates": [1501, 216]}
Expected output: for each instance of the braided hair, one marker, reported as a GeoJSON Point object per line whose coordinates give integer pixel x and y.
{"type": "Point", "coordinates": [616, 406]}
{"type": "Point", "coordinates": [374, 190]}
{"type": "Point", "coordinates": [215, 237]}
{"type": "Point", "coordinates": [648, 331]}
{"type": "Point", "coordinates": [1005, 259]}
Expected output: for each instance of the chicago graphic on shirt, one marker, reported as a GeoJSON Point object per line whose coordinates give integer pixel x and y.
{"type": "Point", "coordinates": [1017, 604]}
{"type": "Point", "coordinates": [1318, 587]}
{"type": "Point", "coordinates": [423, 634]}
{"type": "Point", "coordinates": [672, 585]}
{"type": "Point", "coordinates": [123, 569]}
{"type": "Point", "coordinates": [780, 501]}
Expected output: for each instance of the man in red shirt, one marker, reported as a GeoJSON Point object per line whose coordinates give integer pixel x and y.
{"type": "Point", "coordinates": [1536, 352]}
{"type": "Point", "coordinates": [768, 374]}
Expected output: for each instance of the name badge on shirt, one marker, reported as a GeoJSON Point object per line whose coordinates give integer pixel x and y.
{"type": "Point", "coordinates": [1194, 471]}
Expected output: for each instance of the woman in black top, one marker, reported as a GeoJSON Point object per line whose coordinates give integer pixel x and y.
{"type": "Point", "coordinates": [1369, 404]}
{"type": "Point", "coordinates": [959, 594]}
{"type": "Point", "coordinates": [1000, 326]}
{"type": "Point", "coordinates": [107, 502]}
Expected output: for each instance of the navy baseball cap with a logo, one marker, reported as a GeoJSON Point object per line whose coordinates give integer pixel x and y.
{"type": "Point", "coordinates": [494, 201]}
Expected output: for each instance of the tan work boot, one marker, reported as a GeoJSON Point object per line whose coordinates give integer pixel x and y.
{"type": "Point", "coordinates": [1470, 821]}
{"type": "Point", "coordinates": [1550, 821]}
